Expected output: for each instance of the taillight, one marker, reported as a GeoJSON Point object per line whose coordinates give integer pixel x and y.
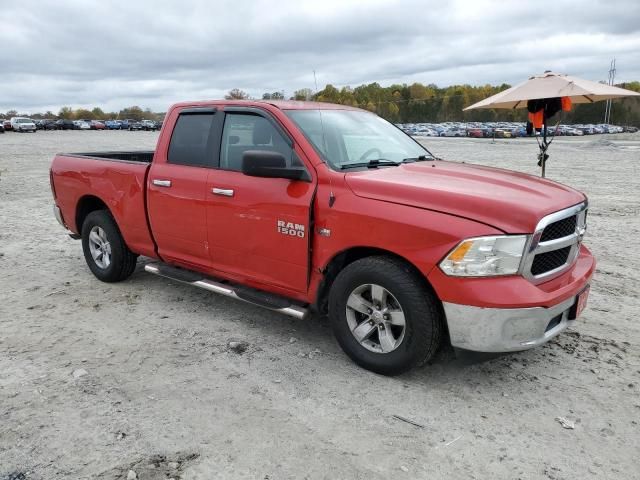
{"type": "Point", "coordinates": [53, 188]}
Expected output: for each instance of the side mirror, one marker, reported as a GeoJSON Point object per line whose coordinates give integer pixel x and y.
{"type": "Point", "coordinates": [267, 164]}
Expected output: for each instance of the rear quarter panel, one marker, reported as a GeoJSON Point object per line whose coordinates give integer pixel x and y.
{"type": "Point", "coordinates": [118, 184]}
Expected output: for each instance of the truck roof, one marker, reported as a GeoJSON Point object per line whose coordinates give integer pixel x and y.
{"type": "Point", "coordinates": [280, 104]}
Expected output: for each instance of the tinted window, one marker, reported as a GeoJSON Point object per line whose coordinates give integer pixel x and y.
{"type": "Point", "coordinates": [249, 132]}
{"type": "Point", "coordinates": [191, 140]}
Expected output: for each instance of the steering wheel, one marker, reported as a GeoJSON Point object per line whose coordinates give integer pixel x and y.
{"type": "Point", "coordinates": [369, 152]}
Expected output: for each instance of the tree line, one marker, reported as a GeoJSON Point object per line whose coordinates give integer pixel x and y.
{"type": "Point", "coordinates": [429, 103]}
{"type": "Point", "coordinates": [400, 103]}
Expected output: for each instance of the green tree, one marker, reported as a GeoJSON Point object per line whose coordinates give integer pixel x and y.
{"type": "Point", "coordinates": [66, 113]}
{"type": "Point", "coordinates": [303, 94]}
{"type": "Point", "coordinates": [273, 96]}
{"type": "Point", "coordinates": [236, 94]}
{"type": "Point", "coordinates": [83, 114]}
{"type": "Point", "coordinates": [134, 113]}
{"type": "Point", "coordinates": [98, 113]}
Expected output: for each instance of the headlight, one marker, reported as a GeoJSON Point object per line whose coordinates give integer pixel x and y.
{"type": "Point", "coordinates": [485, 256]}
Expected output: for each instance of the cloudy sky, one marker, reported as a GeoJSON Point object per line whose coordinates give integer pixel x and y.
{"type": "Point", "coordinates": [152, 53]}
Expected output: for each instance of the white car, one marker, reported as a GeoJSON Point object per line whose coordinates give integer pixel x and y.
{"type": "Point", "coordinates": [82, 125]}
{"type": "Point", "coordinates": [23, 124]}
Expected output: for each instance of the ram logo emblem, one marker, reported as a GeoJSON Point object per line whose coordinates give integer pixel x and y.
{"type": "Point", "coordinates": [291, 229]}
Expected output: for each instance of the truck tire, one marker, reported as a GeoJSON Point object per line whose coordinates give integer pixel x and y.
{"type": "Point", "coordinates": [383, 315]}
{"type": "Point", "coordinates": [105, 251]}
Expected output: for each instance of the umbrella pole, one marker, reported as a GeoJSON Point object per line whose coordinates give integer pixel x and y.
{"type": "Point", "coordinates": [543, 149]}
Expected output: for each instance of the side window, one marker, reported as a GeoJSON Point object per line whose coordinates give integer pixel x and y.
{"type": "Point", "coordinates": [244, 132]}
{"type": "Point", "coordinates": [191, 142]}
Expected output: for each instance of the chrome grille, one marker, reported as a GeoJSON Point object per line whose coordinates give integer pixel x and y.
{"type": "Point", "coordinates": [545, 262]}
{"type": "Point", "coordinates": [555, 244]}
{"type": "Point", "coordinates": [559, 229]}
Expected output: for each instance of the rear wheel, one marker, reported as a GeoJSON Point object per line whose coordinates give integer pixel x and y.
{"type": "Point", "coordinates": [105, 251]}
{"type": "Point", "coordinates": [383, 315]}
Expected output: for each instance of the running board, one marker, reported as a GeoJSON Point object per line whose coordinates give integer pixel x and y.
{"type": "Point", "coordinates": [246, 294]}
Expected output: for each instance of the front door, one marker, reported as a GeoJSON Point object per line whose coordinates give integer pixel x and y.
{"type": "Point", "coordinates": [258, 227]}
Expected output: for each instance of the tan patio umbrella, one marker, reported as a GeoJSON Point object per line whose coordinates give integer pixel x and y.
{"type": "Point", "coordinates": [550, 86]}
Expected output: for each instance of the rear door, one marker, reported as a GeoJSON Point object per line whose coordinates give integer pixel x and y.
{"type": "Point", "coordinates": [177, 184]}
{"type": "Point", "coordinates": [258, 227]}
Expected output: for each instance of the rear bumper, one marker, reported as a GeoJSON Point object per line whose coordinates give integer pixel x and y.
{"type": "Point", "coordinates": [508, 314]}
{"type": "Point", "coordinates": [58, 214]}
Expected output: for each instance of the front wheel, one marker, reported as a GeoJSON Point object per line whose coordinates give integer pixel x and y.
{"type": "Point", "coordinates": [105, 251]}
{"type": "Point", "coordinates": [384, 316]}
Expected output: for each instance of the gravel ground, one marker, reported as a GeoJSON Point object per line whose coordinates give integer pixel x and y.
{"type": "Point", "coordinates": [97, 380]}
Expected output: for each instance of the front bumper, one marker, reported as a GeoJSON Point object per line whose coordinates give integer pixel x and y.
{"type": "Point", "coordinates": [505, 329]}
{"type": "Point", "coordinates": [508, 314]}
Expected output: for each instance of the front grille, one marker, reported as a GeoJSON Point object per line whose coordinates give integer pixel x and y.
{"type": "Point", "coordinates": [545, 262]}
{"type": "Point", "coordinates": [555, 244]}
{"type": "Point", "coordinates": [559, 229]}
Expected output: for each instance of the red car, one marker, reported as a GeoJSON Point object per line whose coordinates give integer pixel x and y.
{"type": "Point", "coordinates": [96, 125]}
{"type": "Point", "coordinates": [475, 132]}
{"type": "Point", "coordinates": [300, 206]}
{"type": "Point", "coordinates": [7, 125]}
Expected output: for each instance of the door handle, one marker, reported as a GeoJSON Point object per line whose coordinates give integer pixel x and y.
{"type": "Point", "coordinates": [222, 191]}
{"type": "Point", "coordinates": [162, 183]}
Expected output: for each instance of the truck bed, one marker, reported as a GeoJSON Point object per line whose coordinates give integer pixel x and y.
{"type": "Point", "coordinates": [116, 179]}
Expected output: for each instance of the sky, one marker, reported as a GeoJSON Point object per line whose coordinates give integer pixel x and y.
{"type": "Point", "coordinates": [153, 53]}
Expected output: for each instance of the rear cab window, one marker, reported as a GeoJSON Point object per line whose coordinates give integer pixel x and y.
{"type": "Point", "coordinates": [194, 139]}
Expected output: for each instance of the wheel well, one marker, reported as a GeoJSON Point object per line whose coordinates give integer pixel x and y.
{"type": "Point", "coordinates": [86, 205]}
{"type": "Point", "coordinates": [341, 260]}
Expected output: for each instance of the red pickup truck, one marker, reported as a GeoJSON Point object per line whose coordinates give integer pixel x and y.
{"type": "Point", "coordinates": [299, 206]}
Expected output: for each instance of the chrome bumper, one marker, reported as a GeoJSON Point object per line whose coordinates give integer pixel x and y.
{"type": "Point", "coordinates": [505, 329]}
{"type": "Point", "coordinates": [58, 214]}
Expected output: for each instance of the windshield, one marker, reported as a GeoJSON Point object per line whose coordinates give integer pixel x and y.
{"type": "Point", "coordinates": [23, 120]}
{"type": "Point", "coordinates": [344, 137]}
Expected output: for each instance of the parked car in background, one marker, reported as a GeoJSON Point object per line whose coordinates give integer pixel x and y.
{"type": "Point", "coordinates": [502, 133]}
{"type": "Point", "coordinates": [96, 125]}
{"type": "Point", "coordinates": [148, 125]}
{"type": "Point", "coordinates": [1, 126]}
{"type": "Point", "coordinates": [112, 125]}
{"type": "Point", "coordinates": [63, 124]}
{"type": "Point", "coordinates": [81, 125]}
{"type": "Point", "coordinates": [133, 125]}
{"type": "Point", "coordinates": [7, 125]}
{"type": "Point", "coordinates": [475, 132]}
{"type": "Point", "coordinates": [49, 124]}
{"type": "Point", "coordinates": [124, 124]}
{"type": "Point", "coordinates": [23, 124]}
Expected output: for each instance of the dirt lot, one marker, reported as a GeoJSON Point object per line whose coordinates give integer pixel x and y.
{"type": "Point", "coordinates": [99, 379]}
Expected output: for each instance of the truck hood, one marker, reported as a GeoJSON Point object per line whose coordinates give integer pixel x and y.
{"type": "Point", "coordinates": [510, 201]}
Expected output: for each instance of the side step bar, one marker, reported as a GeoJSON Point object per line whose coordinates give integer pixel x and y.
{"type": "Point", "coordinates": [246, 294]}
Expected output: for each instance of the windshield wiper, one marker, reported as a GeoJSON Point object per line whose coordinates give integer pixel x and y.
{"type": "Point", "coordinates": [420, 158]}
{"type": "Point", "coordinates": [378, 162]}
